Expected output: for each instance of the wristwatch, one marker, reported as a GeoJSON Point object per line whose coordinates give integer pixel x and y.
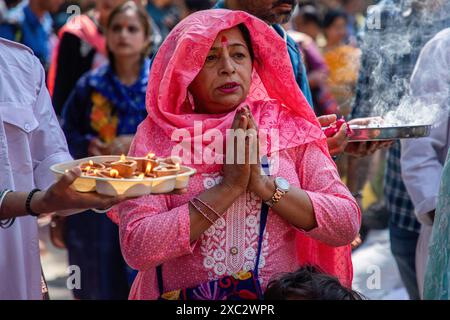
{"type": "Point", "coordinates": [282, 187]}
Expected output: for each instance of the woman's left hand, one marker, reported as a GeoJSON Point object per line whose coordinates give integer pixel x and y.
{"type": "Point", "coordinates": [258, 180]}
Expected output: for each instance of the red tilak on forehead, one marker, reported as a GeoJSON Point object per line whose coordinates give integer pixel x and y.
{"type": "Point", "coordinates": [224, 41]}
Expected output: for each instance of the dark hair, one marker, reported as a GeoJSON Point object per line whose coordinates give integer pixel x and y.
{"type": "Point", "coordinates": [143, 18]}
{"type": "Point", "coordinates": [308, 283]}
{"type": "Point", "coordinates": [248, 39]}
{"type": "Point", "coordinates": [310, 14]}
{"type": "Point", "coordinates": [331, 16]}
{"type": "Point", "coordinates": [197, 5]}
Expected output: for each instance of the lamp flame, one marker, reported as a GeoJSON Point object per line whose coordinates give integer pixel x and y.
{"type": "Point", "coordinates": [148, 169]}
{"type": "Point", "coordinates": [114, 173]}
{"type": "Point", "coordinates": [123, 158]}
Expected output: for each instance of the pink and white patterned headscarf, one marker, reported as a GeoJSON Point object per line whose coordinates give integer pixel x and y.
{"type": "Point", "coordinates": [274, 99]}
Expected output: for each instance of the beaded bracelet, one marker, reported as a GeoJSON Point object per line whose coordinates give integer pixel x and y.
{"type": "Point", "coordinates": [28, 203]}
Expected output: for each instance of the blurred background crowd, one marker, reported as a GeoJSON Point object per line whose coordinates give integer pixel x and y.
{"type": "Point", "coordinates": [328, 32]}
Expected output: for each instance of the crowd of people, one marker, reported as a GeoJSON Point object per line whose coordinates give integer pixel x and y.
{"type": "Point", "coordinates": [112, 77]}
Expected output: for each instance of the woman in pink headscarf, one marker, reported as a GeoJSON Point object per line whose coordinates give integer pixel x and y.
{"type": "Point", "coordinates": [220, 70]}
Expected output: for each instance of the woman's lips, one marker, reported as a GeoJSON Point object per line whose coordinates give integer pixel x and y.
{"type": "Point", "coordinates": [228, 88]}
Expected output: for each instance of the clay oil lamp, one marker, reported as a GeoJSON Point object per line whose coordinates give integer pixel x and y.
{"type": "Point", "coordinates": [104, 173]}
{"type": "Point", "coordinates": [113, 173]}
{"type": "Point", "coordinates": [108, 173]}
{"type": "Point", "coordinates": [108, 164]}
{"type": "Point", "coordinates": [125, 167]}
{"type": "Point", "coordinates": [148, 172]}
{"type": "Point", "coordinates": [167, 170]}
{"type": "Point", "coordinates": [93, 172]}
{"type": "Point", "coordinates": [142, 162]}
{"type": "Point", "coordinates": [90, 166]}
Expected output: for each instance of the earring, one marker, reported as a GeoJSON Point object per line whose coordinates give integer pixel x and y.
{"type": "Point", "coordinates": [190, 100]}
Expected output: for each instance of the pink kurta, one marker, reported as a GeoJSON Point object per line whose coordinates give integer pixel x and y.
{"type": "Point", "coordinates": [155, 230]}
{"type": "Point", "coordinates": [159, 231]}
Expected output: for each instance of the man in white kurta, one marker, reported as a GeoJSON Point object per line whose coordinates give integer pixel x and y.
{"type": "Point", "coordinates": [423, 159]}
{"type": "Point", "coordinates": [31, 140]}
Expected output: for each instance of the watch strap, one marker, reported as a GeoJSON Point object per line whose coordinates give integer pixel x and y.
{"type": "Point", "coordinates": [275, 198]}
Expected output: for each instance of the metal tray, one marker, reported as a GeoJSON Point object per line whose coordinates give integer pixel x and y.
{"type": "Point", "coordinates": [364, 133]}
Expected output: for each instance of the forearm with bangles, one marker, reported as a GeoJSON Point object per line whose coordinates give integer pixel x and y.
{"type": "Point", "coordinates": [219, 198]}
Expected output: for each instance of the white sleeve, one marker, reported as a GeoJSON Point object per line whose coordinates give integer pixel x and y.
{"type": "Point", "coordinates": [420, 158]}
{"type": "Point", "coordinates": [48, 143]}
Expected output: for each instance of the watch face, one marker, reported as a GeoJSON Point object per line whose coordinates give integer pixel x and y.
{"type": "Point", "coordinates": [282, 184]}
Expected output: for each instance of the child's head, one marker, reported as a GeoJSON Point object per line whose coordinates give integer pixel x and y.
{"type": "Point", "coordinates": [308, 283]}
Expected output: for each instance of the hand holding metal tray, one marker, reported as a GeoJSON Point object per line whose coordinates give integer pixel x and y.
{"type": "Point", "coordinates": [386, 133]}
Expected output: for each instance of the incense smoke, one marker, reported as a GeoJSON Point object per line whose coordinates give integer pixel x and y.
{"type": "Point", "coordinates": [393, 46]}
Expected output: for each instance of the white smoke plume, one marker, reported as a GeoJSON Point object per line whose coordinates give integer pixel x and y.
{"type": "Point", "coordinates": [393, 49]}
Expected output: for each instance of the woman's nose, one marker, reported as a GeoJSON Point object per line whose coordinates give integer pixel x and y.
{"type": "Point", "coordinates": [227, 66]}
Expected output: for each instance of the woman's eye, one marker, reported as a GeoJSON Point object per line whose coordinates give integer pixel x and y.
{"type": "Point", "coordinates": [211, 58]}
{"type": "Point", "coordinates": [239, 55]}
{"type": "Point", "coordinates": [132, 29]}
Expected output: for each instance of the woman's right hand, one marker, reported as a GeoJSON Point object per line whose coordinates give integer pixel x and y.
{"type": "Point", "coordinates": [338, 142]}
{"type": "Point", "coordinates": [236, 170]}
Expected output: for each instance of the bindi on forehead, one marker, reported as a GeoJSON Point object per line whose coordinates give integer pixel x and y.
{"type": "Point", "coordinates": [224, 42]}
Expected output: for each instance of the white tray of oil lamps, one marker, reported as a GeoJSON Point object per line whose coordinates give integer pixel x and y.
{"type": "Point", "coordinates": [129, 176]}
